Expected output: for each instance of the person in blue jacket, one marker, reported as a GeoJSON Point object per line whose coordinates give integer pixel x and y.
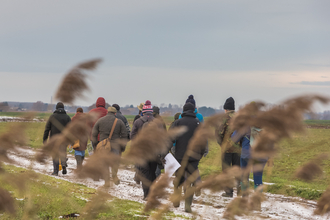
{"type": "Point", "coordinates": [258, 164]}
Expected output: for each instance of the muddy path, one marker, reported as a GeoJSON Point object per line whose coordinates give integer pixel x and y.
{"type": "Point", "coordinates": [207, 206]}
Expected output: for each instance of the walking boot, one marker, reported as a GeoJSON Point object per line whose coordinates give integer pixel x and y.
{"type": "Point", "coordinates": [116, 180]}
{"type": "Point", "coordinates": [64, 170]}
{"type": "Point", "coordinates": [55, 173]}
{"type": "Point", "coordinates": [187, 204]}
{"type": "Point", "coordinates": [189, 192]}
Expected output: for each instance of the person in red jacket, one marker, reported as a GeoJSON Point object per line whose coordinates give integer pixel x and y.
{"type": "Point", "coordinates": [100, 110]}
{"type": "Point", "coordinates": [79, 153]}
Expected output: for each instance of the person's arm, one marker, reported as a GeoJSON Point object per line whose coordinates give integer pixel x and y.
{"type": "Point", "coordinates": [128, 129]}
{"type": "Point", "coordinates": [135, 129]}
{"type": "Point", "coordinates": [95, 133]}
{"type": "Point", "coordinates": [123, 135]}
{"type": "Point", "coordinates": [47, 130]}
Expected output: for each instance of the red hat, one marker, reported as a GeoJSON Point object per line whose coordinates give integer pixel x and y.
{"type": "Point", "coordinates": [147, 107]}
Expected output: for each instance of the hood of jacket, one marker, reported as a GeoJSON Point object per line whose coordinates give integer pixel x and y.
{"type": "Point", "coordinates": [60, 111]}
{"type": "Point", "coordinates": [189, 113]}
{"type": "Point", "coordinates": [100, 102]}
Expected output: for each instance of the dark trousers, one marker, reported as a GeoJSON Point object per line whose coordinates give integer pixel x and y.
{"type": "Point", "coordinates": [229, 160]}
{"type": "Point", "coordinates": [79, 160]}
{"type": "Point", "coordinates": [191, 167]}
{"type": "Point", "coordinates": [148, 173]}
{"type": "Point", "coordinates": [56, 162]}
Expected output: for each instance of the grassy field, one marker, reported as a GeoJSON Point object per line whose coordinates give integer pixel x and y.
{"type": "Point", "coordinates": [55, 201]}
{"type": "Point", "coordinates": [46, 197]}
{"type": "Point", "coordinates": [292, 154]}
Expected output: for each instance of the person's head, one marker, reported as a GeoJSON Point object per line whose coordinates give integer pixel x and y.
{"type": "Point", "coordinates": [155, 110]}
{"type": "Point", "coordinates": [100, 102]}
{"type": "Point", "coordinates": [147, 107]}
{"type": "Point", "coordinates": [112, 110]}
{"type": "Point", "coordinates": [188, 107]}
{"type": "Point", "coordinates": [191, 100]}
{"type": "Point", "coordinates": [59, 105]}
{"type": "Point", "coordinates": [229, 104]}
{"type": "Point", "coordinates": [80, 110]}
{"type": "Point", "coordinates": [116, 106]}
{"type": "Point", "coordinates": [140, 107]}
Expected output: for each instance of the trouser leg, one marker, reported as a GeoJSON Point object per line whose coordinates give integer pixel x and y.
{"type": "Point", "coordinates": [257, 174]}
{"type": "Point", "coordinates": [79, 160]}
{"type": "Point", "coordinates": [192, 175]}
{"type": "Point", "coordinates": [56, 164]}
{"type": "Point", "coordinates": [226, 163]}
{"type": "Point", "coordinates": [149, 175]}
{"type": "Point", "coordinates": [245, 178]}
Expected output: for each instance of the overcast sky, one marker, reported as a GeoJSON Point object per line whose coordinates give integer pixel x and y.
{"type": "Point", "coordinates": [166, 50]}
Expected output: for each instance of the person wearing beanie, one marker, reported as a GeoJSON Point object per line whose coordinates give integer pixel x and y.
{"type": "Point", "coordinates": [191, 100]}
{"type": "Point", "coordinates": [231, 155]}
{"type": "Point", "coordinates": [190, 166]}
{"type": "Point", "coordinates": [59, 117]}
{"type": "Point", "coordinates": [120, 116]}
{"type": "Point", "coordinates": [148, 171]}
{"type": "Point", "coordinates": [79, 153]}
{"type": "Point", "coordinates": [102, 129]}
{"type": "Point", "coordinates": [100, 110]}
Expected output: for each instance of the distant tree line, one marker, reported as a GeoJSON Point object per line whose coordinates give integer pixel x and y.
{"type": "Point", "coordinates": [170, 109]}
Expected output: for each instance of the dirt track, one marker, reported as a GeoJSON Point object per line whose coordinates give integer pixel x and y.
{"type": "Point", "coordinates": [208, 206]}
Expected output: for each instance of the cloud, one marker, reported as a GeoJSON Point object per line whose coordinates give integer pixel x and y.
{"type": "Point", "coordinates": [314, 83]}
{"type": "Point", "coordinates": [324, 77]}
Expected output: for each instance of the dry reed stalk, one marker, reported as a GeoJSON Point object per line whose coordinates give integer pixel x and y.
{"type": "Point", "coordinates": [97, 166]}
{"type": "Point", "coordinates": [96, 205]}
{"type": "Point", "coordinates": [323, 204]}
{"type": "Point", "coordinates": [13, 137]}
{"type": "Point", "coordinates": [74, 83]}
{"type": "Point", "coordinates": [256, 198]}
{"type": "Point", "coordinates": [6, 202]}
{"type": "Point", "coordinates": [277, 123]}
{"type": "Point", "coordinates": [151, 141]}
{"type": "Point", "coordinates": [157, 191]}
{"type": "Point", "coordinates": [224, 180]}
{"type": "Point", "coordinates": [57, 144]}
{"type": "Point", "coordinates": [238, 206]}
{"type": "Point", "coordinates": [312, 169]}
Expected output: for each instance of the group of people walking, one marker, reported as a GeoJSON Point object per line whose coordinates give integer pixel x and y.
{"type": "Point", "coordinates": [113, 125]}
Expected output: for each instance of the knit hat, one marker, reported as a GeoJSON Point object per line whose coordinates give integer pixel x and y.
{"type": "Point", "coordinates": [112, 109]}
{"type": "Point", "coordinates": [80, 110]}
{"type": "Point", "coordinates": [191, 100]}
{"type": "Point", "coordinates": [229, 104]}
{"type": "Point", "coordinates": [59, 105]}
{"type": "Point", "coordinates": [147, 107]}
{"type": "Point", "coordinates": [140, 107]}
{"type": "Point", "coordinates": [188, 106]}
{"type": "Point", "coordinates": [116, 106]}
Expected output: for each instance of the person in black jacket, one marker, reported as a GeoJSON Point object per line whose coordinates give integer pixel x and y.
{"type": "Point", "coordinates": [55, 124]}
{"type": "Point", "coordinates": [120, 116]}
{"type": "Point", "coordinates": [148, 171]}
{"type": "Point", "coordinates": [188, 163]}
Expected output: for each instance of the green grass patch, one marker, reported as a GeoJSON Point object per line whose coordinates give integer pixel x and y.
{"type": "Point", "coordinates": [48, 198]}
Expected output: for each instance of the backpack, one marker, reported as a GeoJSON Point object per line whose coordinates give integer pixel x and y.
{"type": "Point", "coordinates": [145, 122]}
{"type": "Point", "coordinates": [105, 144]}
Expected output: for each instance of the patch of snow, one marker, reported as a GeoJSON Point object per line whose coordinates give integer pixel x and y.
{"type": "Point", "coordinates": [207, 206]}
